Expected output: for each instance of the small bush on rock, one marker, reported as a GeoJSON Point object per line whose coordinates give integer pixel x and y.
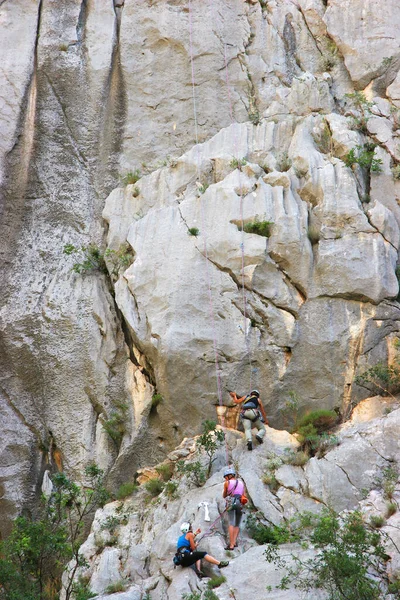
{"type": "Point", "coordinates": [216, 581]}
{"type": "Point", "coordinates": [117, 586]}
{"type": "Point", "coordinates": [126, 489]}
{"type": "Point", "coordinates": [194, 471]}
{"type": "Point", "coordinates": [364, 157]}
{"type": "Point", "coordinates": [262, 228]}
{"type": "Point", "coordinates": [154, 486]}
{"type": "Point", "coordinates": [131, 177]}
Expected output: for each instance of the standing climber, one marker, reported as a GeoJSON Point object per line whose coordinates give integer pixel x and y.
{"type": "Point", "coordinates": [234, 492]}
{"type": "Point", "coordinates": [251, 412]}
{"type": "Point", "coordinates": [187, 554]}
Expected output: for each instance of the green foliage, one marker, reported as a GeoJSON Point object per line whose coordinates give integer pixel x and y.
{"type": "Point", "coordinates": [156, 399]}
{"type": "Point", "coordinates": [346, 551]}
{"type": "Point", "coordinates": [154, 486]}
{"type": "Point", "coordinates": [389, 480]}
{"type": "Point", "coordinates": [322, 419]}
{"type": "Point", "coordinates": [238, 163]}
{"type": "Point", "coordinates": [270, 480]}
{"type": "Point", "coordinates": [131, 177]}
{"type": "Point", "coordinates": [81, 590]}
{"type": "Point", "coordinates": [194, 471]}
{"type": "Point", "coordinates": [210, 595]}
{"type": "Point", "coordinates": [171, 488]}
{"type": "Point", "coordinates": [192, 596]}
{"type": "Point", "coordinates": [311, 432]}
{"type": "Point", "coordinates": [364, 157]}
{"type": "Point", "coordinates": [258, 227]}
{"type": "Point", "coordinates": [396, 171]}
{"type": "Point", "coordinates": [209, 441]}
{"type": "Point", "coordinates": [264, 534]}
{"type": "Point", "coordinates": [193, 231]}
{"type": "Point", "coordinates": [117, 586]}
{"type": "Point", "coordinates": [34, 555]}
{"type": "Point", "coordinates": [323, 137]}
{"type": "Point", "coordinates": [391, 509]}
{"type": "Point", "coordinates": [313, 234]}
{"type": "Point", "coordinates": [92, 258]}
{"type": "Point", "coordinates": [126, 489]}
{"type": "Point", "coordinates": [216, 581]}
{"type": "Point", "coordinates": [385, 378]}
{"type": "Point", "coordinates": [377, 521]}
{"type": "Point", "coordinates": [165, 471]}
{"type": "Point", "coordinates": [203, 188]}
{"type": "Point", "coordinates": [290, 411]}
{"type": "Point", "coordinates": [296, 459]}
{"type": "Point", "coordinates": [115, 424]}
{"type": "Point", "coordinates": [363, 108]}
{"type": "Point", "coordinates": [283, 162]}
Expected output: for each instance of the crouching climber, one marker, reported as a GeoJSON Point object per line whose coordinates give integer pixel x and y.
{"type": "Point", "coordinates": [252, 414]}
{"type": "Point", "coordinates": [187, 555]}
{"type": "Point", "coordinates": [234, 493]}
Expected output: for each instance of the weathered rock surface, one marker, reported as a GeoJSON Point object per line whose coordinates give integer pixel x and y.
{"type": "Point", "coordinates": [139, 552]}
{"type": "Point", "coordinates": [91, 90]}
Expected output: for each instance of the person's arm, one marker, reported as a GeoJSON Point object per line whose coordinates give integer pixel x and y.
{"type": "Point", "coordinates": [235, 398]}
{"type": "Point", "coordinates": [190, 538]}
{"type": "Point", "coordinates": [263, 412]}
{"type": "Point", "coordinates": [225, 490]}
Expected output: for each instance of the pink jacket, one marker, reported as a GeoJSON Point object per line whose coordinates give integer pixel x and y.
{"type": "Point", "coordinates": [238, 490]}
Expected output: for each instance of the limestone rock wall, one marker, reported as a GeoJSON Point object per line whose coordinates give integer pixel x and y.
{"type": "Point", "coordinates": [91, 89]}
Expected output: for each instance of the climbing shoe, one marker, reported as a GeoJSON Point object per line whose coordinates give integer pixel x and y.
{"type": "Point", "coordinates": [249, 446]}
{"type": "Point", "coordinates": [223, 563]}
{"type": "Point", "coordinates": [259, 439]}
{"type": "Point", "coordinates": [200, 574]}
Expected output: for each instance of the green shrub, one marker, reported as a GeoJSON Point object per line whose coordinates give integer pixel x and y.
{"type": "Point", "coordinates": [291, 408]}
{"type": "Point", "coordinates": [81, 590]}
{"type": "Point", "coordinates": [258, 227]}
{"type": "Point", "coordinates": [364, 157]}
{"type": "Point", "coordinates": [110, 523]}
{"type": "Point", "coordinates": [165, 471]}
{"type": "Point", "coordinates": [396, 171]}
{"type": "Point", "coordinates": [384, 378]}
{"type": "Point", "coordinates": [194, 471]}
{"type": "Point", "coordinates": [171, 488]}
{"type": "Point", "coordinates": [216, 581]}
{"type": "Point", "coordinates": [209, 441]}
{"type": "Point", "coordinates": [346, 551]}
{"type": "Point", "coordinates": [322, 419]}
{"type": "Point", "coordinates": [377, 521]}
{"type": "Point", "coordinates": [297, 459]}
{"type": "Point", "coordinates": [117, 586]}
{"type": "Point", "coordinates": [270, 480]}
{"type": "Point", "coordinates": [238, 163]}
{"type": "Point", "coordinates": [115, 424]}
{"type": "Point", "coordinates": [203, 188]}
{"type": "Point", "coordinates": [92, 258]}
{"type": "Point", "coordinates": [391, 509]}
{"type": "Point", "coordinates": [193, 231]}
{"type": "Point", "coordinates": [154, 486]}
{"type": "Point", "coordinates": [131, 177]}
{"type": "Point", "coordinates": [389, 481]}
{"type": "Point", "coordinates": [363, 106]}
{"type": "Point", "coordinates": [33, 557]}
{"type": "Point", "coordinates": [323, 138]}
{"type": "Point", "coordinates": [264, 534]}
{"type": "Point", "coordinates": [156, 399]}
{"type": "Point", "coordinates": [210, 595]}
{"type": "Point", "coordinates": [126, 489]}
{"type": "Point", "coordinates": [192, 596]}
{"type": "Point", "coordinates": [283, 162]}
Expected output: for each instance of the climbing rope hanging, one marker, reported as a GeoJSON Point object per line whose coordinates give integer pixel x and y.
{"type": "Point", "coordinates": [204, 230]}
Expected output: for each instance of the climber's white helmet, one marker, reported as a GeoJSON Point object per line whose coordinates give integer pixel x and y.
{"type": "Point", "coordinates": [185, 527]}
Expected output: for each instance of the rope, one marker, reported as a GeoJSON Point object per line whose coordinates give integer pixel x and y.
{"type": "Point", "coordinates": [204, 229]}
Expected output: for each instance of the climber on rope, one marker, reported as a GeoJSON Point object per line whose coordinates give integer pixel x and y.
{"type": "Point", "coordinates": [234, 494]}
{"type": "Point", "coordinates": [187, 555]}
{"type": "Point", "coordinates": [252, 414]}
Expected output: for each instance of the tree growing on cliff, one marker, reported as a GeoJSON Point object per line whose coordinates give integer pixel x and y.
{"type": "Point", "coordinates": [34, 556]}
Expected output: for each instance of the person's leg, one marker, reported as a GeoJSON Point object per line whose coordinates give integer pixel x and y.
{"type": "Point", "coordinates": [261, 430]}
{"type": "Point", "coordinates": [231, 531]}
{"type": "Point", "coordinates": [247, 425]}
{"type": "Point", "coordinates": [214, 561]}
{"type": "Point", "coordinates": [236, 524]}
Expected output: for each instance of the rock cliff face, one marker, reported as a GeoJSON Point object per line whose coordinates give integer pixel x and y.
{"type": "Point", "coordinates": [137, 553]}
{"type": "Point", "coordinates": [234, 112]}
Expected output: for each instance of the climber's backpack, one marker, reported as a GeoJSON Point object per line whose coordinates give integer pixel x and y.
{"type": "Point", "coordinates": [177, 560]}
